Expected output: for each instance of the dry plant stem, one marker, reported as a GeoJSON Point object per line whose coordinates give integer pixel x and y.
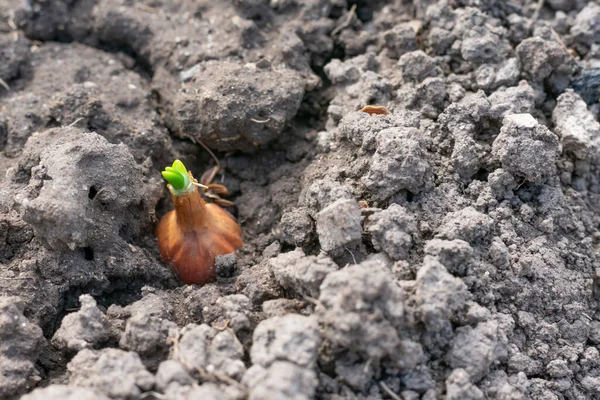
{"type": "Point", "coordinates": [346, 22]}
{"type": "Point", "coordinates": [389, 391]}
{"type": "Point", "coordinates": [214, 157]}
{"type": "Point", "coordinates": [4, 85]}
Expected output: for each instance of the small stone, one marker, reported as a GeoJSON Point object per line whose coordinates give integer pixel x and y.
{"type": "Point", "coordinates": [477, 349]}
{"type": "Point", "coordinates": [20, 343]}
{"type": "Point", "coordinates": [86, 328]}
{"type": "Point", "coordinates": [225, 265]}
{"type": "Point", "coordinates": [112, 372]}
{"type": "Point", "coordinates": [526, 148]}
{"type": "Point", "coordinates": [170, 371]}
{"type": "Point", "coordinates": [520, 99]}
{"type": "Point", "coordinates": [400, 162]}
{"type": "Point", "coordinates": [391, 231]}
{"type": "Point", "coordinates": [438, 294]}
{"type": "Point", "coordinates": [540, 57]}
{"type": "Point", "coordinates": [399, 40]}
{"type": "Point", "coordinates": [453, 254]}
{"type": "Point", "coordinates": [352, 296]}
{"type": "Point", "coordinates": [149, 336]}
{"type": "Point", "coordinates": [481, 46]}
{"type": "Point", "coordinates": [467, 224]}
{"type": "Point", "coordinates": [282, 380]}
{"type": "Point", "coordinates": [416, 66]}
{"type": "Point", "coordinates": [586, 29]}
{"type": "Point", "coordinates": [293, 338]}
{"type": "Point", "coordinates": [459, 387]}
{"type": "Point", "coordinates": [202, 348]}
{"type": "Point", "coordinates": [558, 369]}
{"type": "Point", "coordinates": [297, 227]}
{"type": "Point", "coordinates": [301, 274]}
{"type": "Point", "coordinates": [339, 225]}
{"type": "Point", "coordinates": [577, 128]}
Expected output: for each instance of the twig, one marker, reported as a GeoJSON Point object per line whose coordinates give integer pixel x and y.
{"type": "Point", "coordinates": [586, 316]}
{"type": "Point", "coordinates": [260, 121]}
{"type": "Point", "coordinates": [146, 8]}
{"type": "Point", "coordinates": [155, 394]}
{"type": "Point", "coordinates": [387, 389]}
{"type": "Point", "coordinates": [223, 327]}
{"type": "Point", "coordinates": [201, 143]}
{"type": "Point", "coordinates": [538, 8]}
{"type": "Point", "coordinates": [4, 85]}
{"type": "Point", "coordinates": [367, 366]}
{"type": "Point", "coordinates": [96, 195]}
{"type": "Point", "coordinates": [345, 24]}
{"type": "Point", "coordinates": [536, 14]}
{"type": "Point", "coordinates": [313, 301]}
{"type": "Point", "coordinates": [74, 122]}
{"type": "Point", "coordinates": [352, 254]}
{"type": "Point", "coordinates": [200, 185]}
{"type": "Point", "coordinates": [558, 39]}
{"type": "Point", "coordinates": [211, 154]}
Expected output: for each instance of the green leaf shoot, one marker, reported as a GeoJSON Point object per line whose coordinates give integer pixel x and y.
{"type": "Point", "coordinates": [177, 175]}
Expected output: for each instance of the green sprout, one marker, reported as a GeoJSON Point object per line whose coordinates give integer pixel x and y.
{"type": "Point", "coordinates": [177, 176]}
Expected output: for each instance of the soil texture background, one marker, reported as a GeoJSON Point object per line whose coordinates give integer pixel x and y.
{"type": "Point", "coordinates": [447, 250]}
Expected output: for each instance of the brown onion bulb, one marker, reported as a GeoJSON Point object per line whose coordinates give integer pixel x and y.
{"type": "Point", "coordinates": [192, 235]}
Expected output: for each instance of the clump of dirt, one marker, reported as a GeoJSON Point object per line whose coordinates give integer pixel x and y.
{"type": "Point", "coordinates": [447, 250]}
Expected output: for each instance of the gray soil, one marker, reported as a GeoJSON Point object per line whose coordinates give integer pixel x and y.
{"type": "Point", "coordinates": [448, 250]}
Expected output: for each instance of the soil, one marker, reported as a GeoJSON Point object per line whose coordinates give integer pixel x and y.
{"type": "Point", "coordinates": [447, 250]}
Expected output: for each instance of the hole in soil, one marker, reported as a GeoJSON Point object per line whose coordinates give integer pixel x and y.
{"type": "Point", "coordinates": [262, 114]}
{"type": "Point", "coordinates": [409, 196]}
{"type": "Point", "coordinates": [82, 75]}
{"type": "Point", "coordinates": [364, 14]}
{"type": "Point", "coordinates": [92, 193]}
{"type": "Point", "coordinates": [142, 65]}
{"type": "Point", "coordinates": [528, 191]}
{"type": "Point", "coordinates": [88, 253]}
{"type": "Point", "coordinates": [481, 175]}
{"type": "Point", "coordinates": [127, 233]}
{"type": "Point", "coordinates": [366, 240]}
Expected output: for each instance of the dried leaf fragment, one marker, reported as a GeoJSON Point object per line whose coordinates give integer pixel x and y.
{"type": "Point", "coordinates": [382, 110]}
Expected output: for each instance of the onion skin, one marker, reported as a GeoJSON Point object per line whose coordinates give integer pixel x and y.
{"type": "Point", "coordinates": [192, 235]}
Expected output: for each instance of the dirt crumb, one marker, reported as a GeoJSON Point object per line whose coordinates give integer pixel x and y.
{"type": "Point", "coordinates": [443, 247]}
